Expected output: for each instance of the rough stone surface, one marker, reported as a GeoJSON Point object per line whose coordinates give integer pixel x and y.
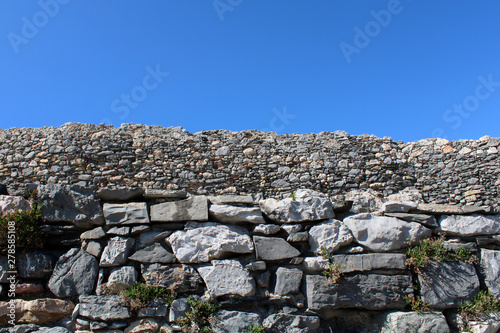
{"type": "Point", "coordinates": [287, 281]}
{"type": "Point", "coordinates": [273, 248]}
{"type": "Point", "coordinates": [142, 326]}
{"type": "Point", "coordinates": [39, 311]}
{"type": "Point", "coordinates": [451, 209]}
{"type": "Point", "coordinates": [330, 235]}
{"type": "Point", "coordinates": [181, 278]}
{"type": "Point", "coordinates": [70, 203]}
{"type": "Point", "coordinates": [425, 322]}
{"type": "Point", "coordinates": [231, 200]}
{"type": "Point", "coordinates": [151, 237]}
{"type": "Point", "coordinates": [119, 194]}
{"type": "Point", "coordinates": [75, 274]}
{"type": "Point", "coordinates": [119, 231]}
{"type": "Point", "coordinates": [315, 264]}
{"type": "Point", "coordinates": [267, 229]}
{"type": "Point", "coordinates": [125, 274]}
{"type": "Point", "coordinates": [305, 205]}
{"type": "Point", "coordinates": [126, 213]}
{"type": "Point", "coordinates": [470, 225]}
{"type": "Point", "coordinates": [290, 323]}
{"type": "Point", "coordinates": [155, 308]}
{"type": "Point", "coordinates": [4, 267]}
{"type": "Point", "coordinates": [153, 193]}
{"type": "Point", "coordinates": [116, 252]}
{"type": "Point", "coordinates": [425, 219]}
{"type": "Point", "coordinates": [398, 206]}
{"type": "Point", "coordinates": [153, 253]}
{"type": "Point", "coordinates": [192, 209]}
{"type": "Point", "coordinates": [358, 292]}
{"type": "Point", "coordinates": [298, 237]}
{"type": "Point", "coordinates": [9, 204]}
{"type": "Point", "coordinates": [446, 284]}
{"type": "Point", "coordinates": [92, 247]}
{"type": "Point", "coordinates": [382, 233]}
{"type": "Point", "coordinates": [227, 277]}
{"type": "Point", "coordinates": [107, 308]}
{"type": "Point", "coordinates": [234, 214]}
{"type": "Point", "coordinates": [490, 268]}
{"type": "Point", "coordinates": [364, 201]}
{"type": "Point", "coordinates": [35, 264]}
{"type": "Point", "coordinates": [370, 261]}
{"type": "Point", "coordinates": [96, 233]}
{"type": "Point", "coordinates": [235, 321]}
{"type": "Point", "coordinates": [209, 241]}
{"type": "Point", "coordinates": [178, 309]}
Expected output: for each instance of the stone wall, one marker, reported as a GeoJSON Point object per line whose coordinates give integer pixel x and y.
{"type": "Point", "coordinates": [299, 264]}
{"type": "Point", "coordinates": [251, 162]}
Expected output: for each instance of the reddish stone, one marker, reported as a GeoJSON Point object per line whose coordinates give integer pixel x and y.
{"type": "Point", "coordinates": [29, 288]}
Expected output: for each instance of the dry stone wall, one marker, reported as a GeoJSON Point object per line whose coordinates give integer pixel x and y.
{"type": "Point", "coordinates": [304, 263]}
{"type": "Point", "coordinates": [251, 162]}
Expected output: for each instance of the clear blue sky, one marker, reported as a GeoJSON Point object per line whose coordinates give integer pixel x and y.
{"type": "Point", "coordinates": [405, 69]}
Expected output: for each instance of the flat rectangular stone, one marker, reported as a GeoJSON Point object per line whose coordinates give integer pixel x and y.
{"type": "Point", "coordinates": [151, 193]}
{"type": "Point", "coordinates": [371, 261]}
{"type": "Point", "coordinates": [232, 200]}
{"type": "Point", "coordinates": [453, 209]}
{"type": "Point", "coordinates": [192, 209]}
{"type": "Point", "coordinates": [127, 213]}
{"type": "Point", "coordinates": [364, 291]}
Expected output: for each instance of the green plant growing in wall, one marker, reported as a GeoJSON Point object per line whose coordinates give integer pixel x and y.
{"type": "Point", "coordinates": [140, 294]}
{"type": "Point", "coordinates": [417, 304]}
{"type": "Point", "coordinates": [481, 305]}
{"type": "Point", "coordinates": [256, 329]}
{"type": "Point", "coordinates": [198, 319]}
{"type": "Point", "coordinates": [433, 249]}
{"type": "Point", "coordinates": [325, 253]}
{"type": "Point", "coordinates": [333, 273]}
{"type": "Point", "coordinates": [292, 195]}
{"type": "Point", "coordinates": [25, 224]}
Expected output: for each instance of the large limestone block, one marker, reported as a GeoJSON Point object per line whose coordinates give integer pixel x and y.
{"type": "Point", "coordinates": [426, 322]}
{"type": "Point", "coordinates": [204, 243]}
{"type": "Point", "coordinates": [305, 205]}
{"type": "Point", "coordinates": [126, 213]}
{"type": "Point", "coordinates": [117, 251]}
{"type": "Point", "coordinates": [383, 233]}
{"type": "Point", "coordinates": [290, 323]}
{"type": "Point", "coordinates": [273, 248]}
{"type": "Point", "coordinates": [181, 278]}
{"type": "Point", "coordinates": [330, 235]}
{"type": "Point", "coordinates": [370, 261]}
{"type": "Point", "coordinates": [227, 277]}
{"type": "Point", "coordinates": [367, 291]}
{"type": "Point", "coordinates": [75, 274]}
{"type": "Point", "coordinates": [39, 311]}
{"type": "Point", "coordinates": [446, 284]}
{"type": "Point", "coordinates": [106, 308]}
{"type": "Point", "coordinates": [470, 225]}
{"type": "Point", "coordinates": [192, 209]}
{"type": "Point", "coordinates": [231, 199]}
{"type": "Point", "coordinates": [235, 321]}
{"type": "Point", "coordinates": [234, 214]}
{"type": "Point", "coordinates": [70, 203]}
{"type": "Point", "coordinates": [490, 267]}
{"type": "Point", "coordinates": [9, 204]}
